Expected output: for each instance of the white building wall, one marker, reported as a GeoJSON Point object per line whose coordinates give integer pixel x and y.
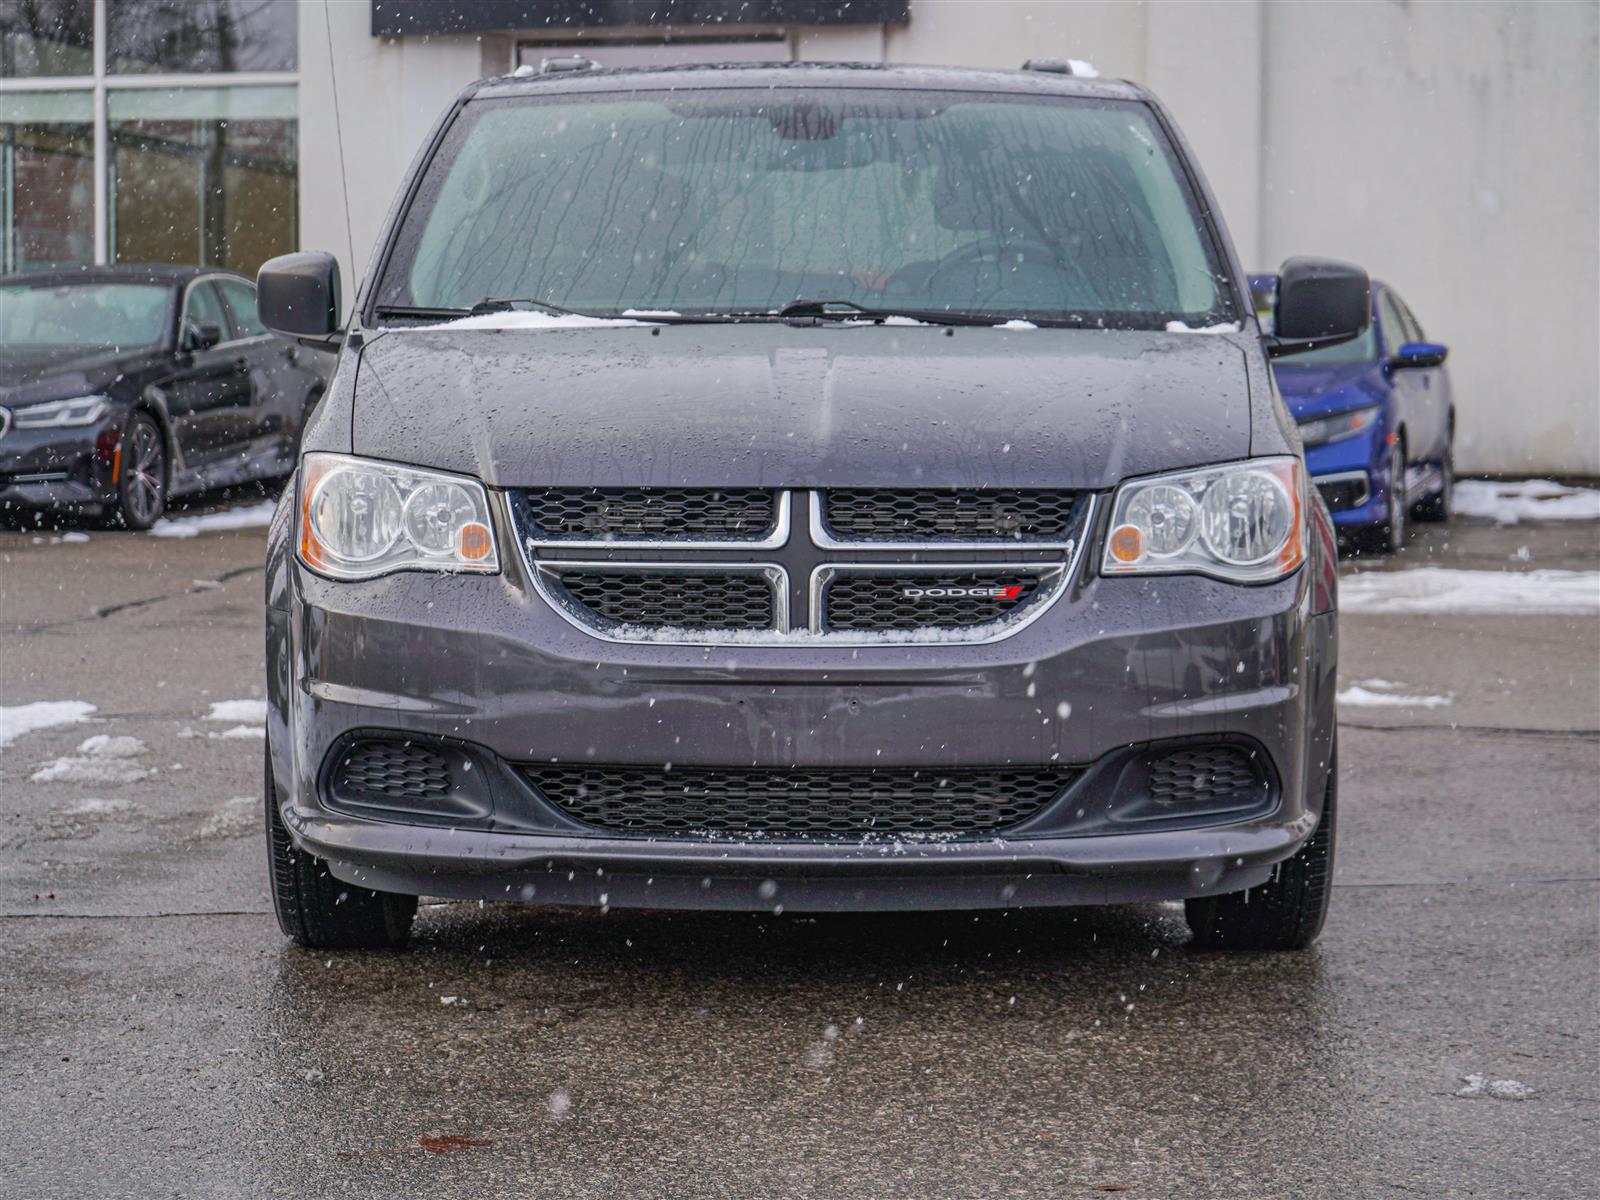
{"type": "Point", "coordinates": [1449, 148]}
{"type": "Point", "coordinates": [1452, 150]}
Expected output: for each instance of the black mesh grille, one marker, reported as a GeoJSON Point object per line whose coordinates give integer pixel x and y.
{"type": "Point", "coordinates": [1207, 777]}
{"type": "Point", "coordinates": [685, 514]}
{"type": "Point", "coordinates": [393, 770]}
{"type": "Point", "coordinates": [742, 600]}
{"type": "Point", "coordinates": [934, 515]}
{"type": "Point", "coordinates": [798, 803]}
{"type": "Point", "coordinates": [1340, 494]}
{"type": "Point", "coordinates": [872, 601]}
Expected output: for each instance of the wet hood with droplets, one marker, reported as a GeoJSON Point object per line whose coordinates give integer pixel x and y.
{"type": "Point", "coordinates": [780, 405]}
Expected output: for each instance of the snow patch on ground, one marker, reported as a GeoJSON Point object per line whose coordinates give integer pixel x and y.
{"type": "Point", "coordinates": [1499, 1089]}
{"type": "Point", "coordinates": [75, 769]}
{"type": "Point", "coordinates": [97, 808]}
{"type": "Point", "coordinates": [103, 745]}
{"type": "Point", "coordinates": [1381, 693]}
{"type": "Point", "coordinates": [41, 714]}
{"type": "Point", "coordinates": [1453, 590]}
{"type": "Point", "coordinates": [1016, 324]}
{"type": "Point", "coordinates": [100, 759]}
{"type": "Point", "coordinates": [1524, 500]}
{"type": "Point", "coordinates": [250, 516]}
{"type": "Point", "coordinates": [243, 731]}
{"type": "Point", "coordinates": [253, 711]}
{"type": "Point", "coordinates": [237, 817]}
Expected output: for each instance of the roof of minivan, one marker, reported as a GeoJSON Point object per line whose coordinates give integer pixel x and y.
{"type": "Point", "coordinates": [889, 77]}
{"type": "Point", "coordinates": [165, 274]}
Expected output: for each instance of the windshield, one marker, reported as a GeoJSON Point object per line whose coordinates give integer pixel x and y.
{"type": "Point", "coordinates": [733, 201]}
{"type": "Point", "coordinates": [108, 316]}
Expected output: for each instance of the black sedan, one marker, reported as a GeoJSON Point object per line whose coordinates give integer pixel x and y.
{"type": "Point", "coordinates": [123, 386]}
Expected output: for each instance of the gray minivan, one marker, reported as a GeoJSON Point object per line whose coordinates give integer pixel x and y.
{"type": "Point", "coordinates": [803, 488]}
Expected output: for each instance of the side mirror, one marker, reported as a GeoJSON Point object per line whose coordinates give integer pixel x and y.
{"type": "Point", "coordinates": [201, 335]}
{"type": "Point", "coordinates": [297, 295]}
{"type": "Point", "coordinates": [1419, 354]}
{"type": "Point", "coordinates": [1321, 302]}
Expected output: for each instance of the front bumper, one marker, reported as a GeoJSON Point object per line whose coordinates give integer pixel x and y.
{"type": "Point", "coordinates": [58, 468]}
{"type": "Point", "coordinates": [1353, 476]}
{"type": "Point", "coordinates": [484, 661]}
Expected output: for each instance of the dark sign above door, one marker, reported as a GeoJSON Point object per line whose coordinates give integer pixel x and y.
{"type": "Point", "coordinates": [402, 18]}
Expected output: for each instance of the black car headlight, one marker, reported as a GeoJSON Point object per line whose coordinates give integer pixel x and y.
{"type": "Point", "coordinates": [360, 517]}
{"type": "Point", "coordinates": [60, 414]}
{"type": "Point", "coordinates": [1319, 431]}
{"type": "Point", "coordinates": [1243, 522]}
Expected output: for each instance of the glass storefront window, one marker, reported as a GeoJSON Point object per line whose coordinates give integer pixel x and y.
{"type": "Point", "coordinates": [40, 38]}
{"type": "Point", "coordinates": [203, 175]}
{"type": "Point", "coordinates": [46, 178]}
{"type": "Point", "coordinates": [201, 36]}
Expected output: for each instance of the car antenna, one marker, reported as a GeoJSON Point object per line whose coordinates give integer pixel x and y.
{"type": "Point", "coordinates": [338, 131]}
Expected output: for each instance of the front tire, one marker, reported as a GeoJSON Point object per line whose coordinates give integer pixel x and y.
{"type": "Point", "coordinates": [1437, 506]}
{"type": "Point", "coordinates": [141, 496]}
{"type": "Point", "coordinates": [1391, 535]}
{"type": "Point", "coordinates": [1286, 912]}
{"type": "Point", "coordinates": [320, 912]}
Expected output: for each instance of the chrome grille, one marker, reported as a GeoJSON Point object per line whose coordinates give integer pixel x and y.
{"type": "Point", "coordinates": [679, 599]}
{"type": "Point", "coordinates": [949, 599]}
{"type": "Point", "coordinates": [939, 575]}
{"type": "Point", "coordinates": [803, 803]}
{"type": "Point", "coordinates": [900, 515]}
{"type": "Point", "coordinates": [653, 514]}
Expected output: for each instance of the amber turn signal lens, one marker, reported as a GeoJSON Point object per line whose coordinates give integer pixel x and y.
{"type": "Point", "coordinates": [1127, 543]}
{"type": "Point", "coordinates": [473, 542]}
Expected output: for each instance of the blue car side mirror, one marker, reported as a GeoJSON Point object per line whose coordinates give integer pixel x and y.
{"type": "Point", "coordinates": [1419, 354]}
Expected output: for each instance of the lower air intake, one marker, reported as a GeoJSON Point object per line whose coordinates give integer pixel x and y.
{"type": "Point", "coordinates": [1208, 779]}
{"type": "Point", "coordinates": [814, 803]}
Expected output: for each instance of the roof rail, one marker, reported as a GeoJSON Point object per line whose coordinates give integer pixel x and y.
{"type": "Point", "coordinates": [1050, 66]}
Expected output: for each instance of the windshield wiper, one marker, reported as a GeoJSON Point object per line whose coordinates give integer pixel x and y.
{"type": "Point", "coordinates": [482, 307]}
{"type": "Point", "coordinates": [420, 312]}
{"type": "Point", "coordinates": [849, 310]}
{"type": "Point", "coordinates": [510, 303]}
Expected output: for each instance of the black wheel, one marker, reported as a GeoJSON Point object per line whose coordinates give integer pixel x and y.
{"type": "Point", "coordinates": [142, 478]}
{"type": "Point", "coordinates": [1437, 506]}
{"type": "Point", "coordinates": [1391, 535]}
{"type": "Point", "coordinates": [1286, 912]}
{"type": "Point", "coordinates": [320, 912]}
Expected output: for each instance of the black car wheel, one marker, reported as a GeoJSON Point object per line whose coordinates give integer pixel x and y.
{"type": "Point", "coordinates": [1437, 506]}
{"type": "Point", "coordinates": [1286, 912]}
{"type": "Point", "coordinates": [142, 479]}
{"type": "Point", "coordinates": [320, 912]}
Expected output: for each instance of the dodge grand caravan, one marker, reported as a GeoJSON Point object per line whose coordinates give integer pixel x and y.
{"type": "Point", "coordinates": [808, 488]}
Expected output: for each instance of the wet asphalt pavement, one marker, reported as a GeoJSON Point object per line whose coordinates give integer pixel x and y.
{"type": "Point", "coordinates": [159, 1038]}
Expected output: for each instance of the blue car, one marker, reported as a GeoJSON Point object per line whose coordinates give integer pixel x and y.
{"type": "Point", "coordinates": [1377, 420]}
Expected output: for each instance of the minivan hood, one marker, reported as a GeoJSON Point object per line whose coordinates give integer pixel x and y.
{"type": "Point", "coordinates": [803, 406]}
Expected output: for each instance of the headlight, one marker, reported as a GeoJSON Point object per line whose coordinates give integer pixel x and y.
{"type": "Point", "coordinates": [60, 414]}
{"type": "Point", "coordinates": [1242, 522]}
{"type": "Point", "coordinates": [360, 518]}
{"type": "Point", "coordinates": [1321, 430]}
